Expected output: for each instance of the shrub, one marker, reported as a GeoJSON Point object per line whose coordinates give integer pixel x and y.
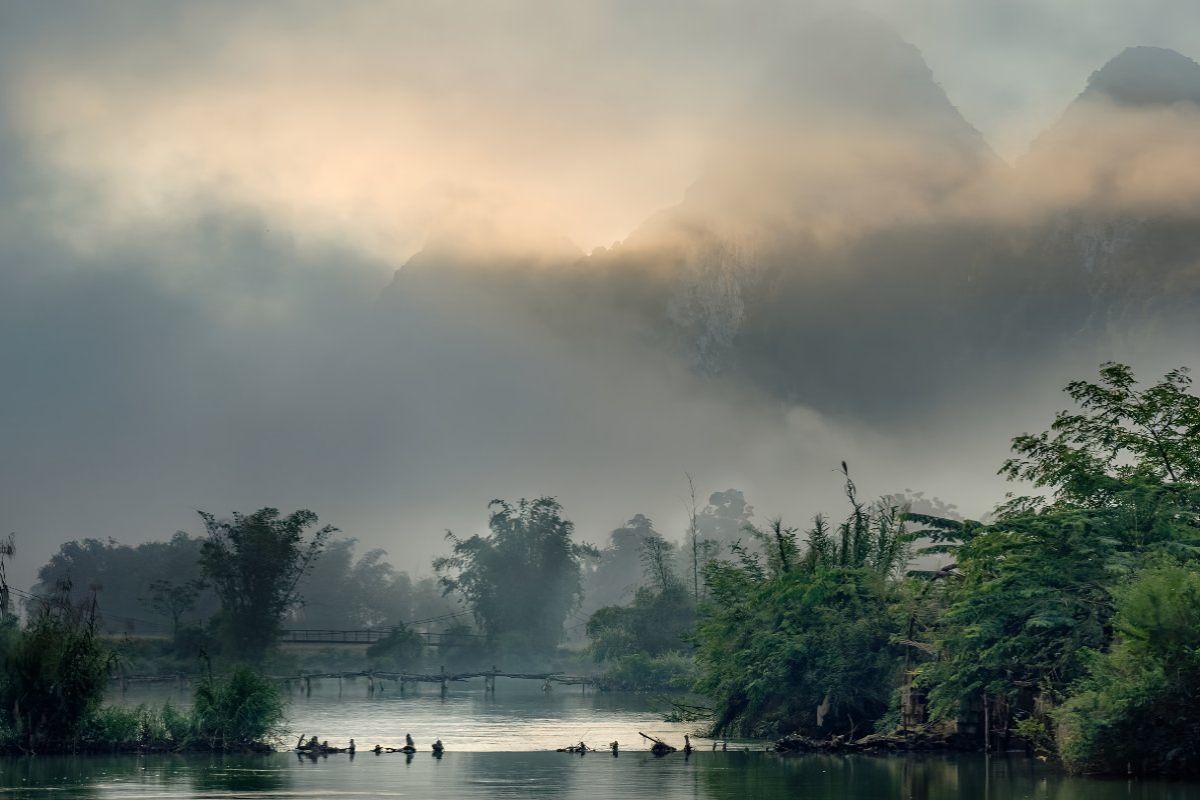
{"type": "Point", "coordinates": [639, 672]}
{"type": "Point", "coordinates": [243, 711]}
{"type": "Point", "coordinates": [54, 675]}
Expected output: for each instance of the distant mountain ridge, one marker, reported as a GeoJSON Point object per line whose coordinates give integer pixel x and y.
{"type": "Point", "coordinates": [866, 236]}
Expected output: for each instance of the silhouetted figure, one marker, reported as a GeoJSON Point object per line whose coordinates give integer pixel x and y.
{"type": "Point", "coordinates": [351, 748]}
{"type": "Point", "coordinates": [408, 740]}
{"type": "Point", "coordinates": [438, 747]}
{"type": "Point", "coordinates": [615, 746]}
{"type": "Point", "coordinates": [377, 749]}
{"type": "Point", "coordinates": [687, 744]}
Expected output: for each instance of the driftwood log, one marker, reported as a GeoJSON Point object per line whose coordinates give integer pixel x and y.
{"type": "Point", "coordinates": [658, 746]}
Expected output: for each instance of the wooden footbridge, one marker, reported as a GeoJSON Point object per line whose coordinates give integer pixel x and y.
{"type": "Point", "coordinates": [369, 636]}
{"type": "Point", "coordinates": [376, 679]}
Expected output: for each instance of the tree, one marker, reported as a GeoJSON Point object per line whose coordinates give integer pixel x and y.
{"type": "Point", "coordinates": [120, 576]}
{"type": "Point", "coordinates": [173, 600]}
{"type": "Point", "coordinates": [800, 637]}
{"type": "Point", "coordinates": [618, 567]}
{"type": "Point", "coordinates": [1137, 710]}
{"type": "Point", "coordinates": [1029, 593]}
{"type": "Point", "coordinates": [522, 579]}
{"type": "Point", "coordinates": [657, 557]}
{"type": "Point", "coordinates": [255, 562]}
{"type": "Point", "coordinates": [724, 519]}
{"type": "Point", "coordinates": [1120, 435]}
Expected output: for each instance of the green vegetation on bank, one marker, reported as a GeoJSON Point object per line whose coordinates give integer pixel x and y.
{"type": "Point", "coordinates": [1066, 622]}
{"type": "Point", "coordinates": [54, 671]}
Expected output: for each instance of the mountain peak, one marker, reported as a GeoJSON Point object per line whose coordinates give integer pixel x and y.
{"type": "Point", "coordinates": [1146, 76]}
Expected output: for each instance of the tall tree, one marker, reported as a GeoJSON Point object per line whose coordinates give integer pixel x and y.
{"type": "Point", "coordinates": [524, 578]}
{"type": "Point", "coordinates": [1031, 592]}
{"type": "Point", "coordinates": [618, 569]}
{"type": "Point", "coordinates": [255, 562]}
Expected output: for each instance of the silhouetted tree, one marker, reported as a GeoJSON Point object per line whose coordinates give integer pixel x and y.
{"type": "Point", "coordinates": [255, 562]}
{"type": "Point", "coordinates": [524, 578]}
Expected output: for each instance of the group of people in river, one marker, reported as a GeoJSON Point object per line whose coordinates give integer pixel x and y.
{"type": "Point", "coordinates": [314, 747]}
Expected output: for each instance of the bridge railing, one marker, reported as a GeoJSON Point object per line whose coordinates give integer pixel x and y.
{"type": "Point", "coordinates": [367, 636]}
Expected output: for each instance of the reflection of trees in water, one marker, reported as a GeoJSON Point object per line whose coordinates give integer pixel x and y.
{"type": "Point", "coordinates": [737, 776]}
{"type": "Point", "coordinates": [92, 776]}
{"type": "Point", "coordinates": [705, 776]}
{"type": "Point", "coordinates": [517, 775]}
{"type": "Point", "coordinates": [239, 773]}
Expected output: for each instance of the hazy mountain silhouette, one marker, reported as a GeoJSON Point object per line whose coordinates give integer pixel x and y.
{"type": "Point", "coordinates": [857, 246]}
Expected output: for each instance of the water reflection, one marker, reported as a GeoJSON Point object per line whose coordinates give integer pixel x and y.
{"type": "Point", "coordinates": [596, 776]}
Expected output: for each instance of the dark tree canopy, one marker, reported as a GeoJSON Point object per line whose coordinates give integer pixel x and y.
{"type": "Point", "coordinates": [524, 578]}
{"type": "Point", "coordinates": [341, 592]}
{"type": "Point", "coordinates": [120, 578]}
{"type": "Point", "coordinates": [255, 563]}
{"type": "Point", "coordinates": [618, 568]}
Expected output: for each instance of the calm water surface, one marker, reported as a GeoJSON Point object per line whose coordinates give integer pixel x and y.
{"type": "Point", "coordinates": [498, 748]}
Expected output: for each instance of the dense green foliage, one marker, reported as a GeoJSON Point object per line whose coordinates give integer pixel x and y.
{"type": "Point", "coordinates": [646, 644]}
{"type": "Point", "coordinates": [254, 563]}
{"type": "Point", "coordinates": [244, 711]}
{"type": "Point", "coordinates": [799, 637]}
{"type": "Point", "coordinates": [53, 676]}
{"type": "Point", "coordinates": [523, 579]}
{"type": "Point", "coordinates": [1025, 616]}
{"type": "Point", "coordinates": [241, 711]}
{"type": "Point", "coordinates": [1137, 709]}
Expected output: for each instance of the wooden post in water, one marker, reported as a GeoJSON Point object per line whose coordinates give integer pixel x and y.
{"type": "Point", "coordinates": [443, 680]}
{"type": "Point", "coordinates": [307, 686]}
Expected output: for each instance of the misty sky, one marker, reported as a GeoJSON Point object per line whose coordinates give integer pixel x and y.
{"type": "Point", "coordinates": [201, 206]}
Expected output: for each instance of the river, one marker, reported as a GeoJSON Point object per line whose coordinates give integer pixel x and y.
{"type": "Point", "coordinates": [500, 747]}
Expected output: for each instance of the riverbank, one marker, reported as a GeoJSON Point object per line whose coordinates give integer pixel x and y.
{"type": "Point", "coordinates": [917, 740]}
